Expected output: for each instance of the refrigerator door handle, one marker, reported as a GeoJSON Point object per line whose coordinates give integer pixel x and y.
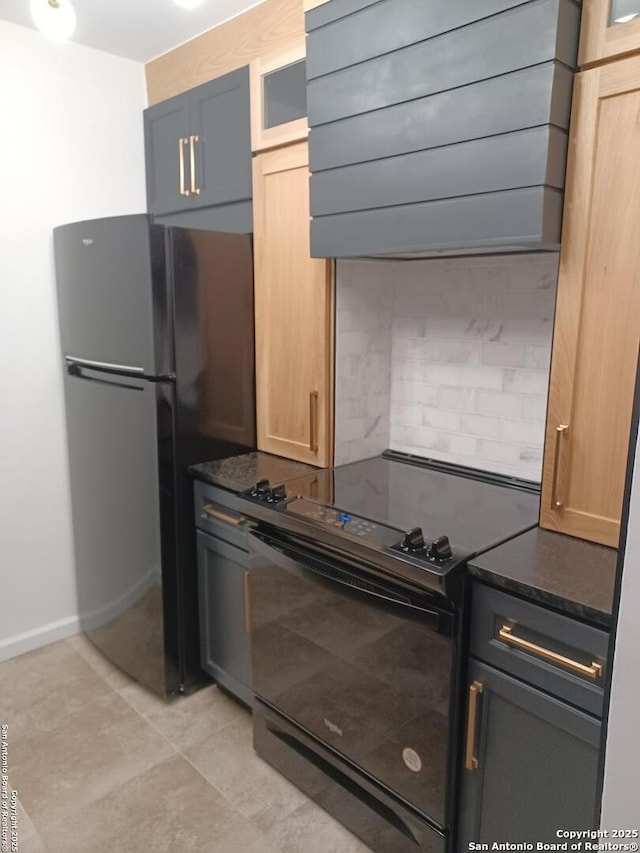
{"type": "Point", "coordinates": [126, 370]}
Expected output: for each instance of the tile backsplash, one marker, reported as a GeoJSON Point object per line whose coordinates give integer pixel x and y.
{"type": "Point", "coordinates": [364, 314]}
{"type": "Point", "coordinates": [469, 344]}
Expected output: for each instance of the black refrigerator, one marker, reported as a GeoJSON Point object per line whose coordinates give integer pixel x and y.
{"type": "Point", "coordinates": [157, 339]}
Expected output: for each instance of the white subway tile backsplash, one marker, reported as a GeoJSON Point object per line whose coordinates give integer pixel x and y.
{"type": "Point", "coordinates": [451, 358]}
{"type": "Point", "coordinates": [504, 354]}
{"type": "Point", "coordinates": [480, 425]}
{"type": "Point", "coordinates": [529, 381]}
{"type": "Point", "coordinates": [455, 398]}
{"type": "Point", "coordinates": [523, 432]}
{"type": "Point", "coordinates": [534, 408]}
{"type": "Point", "coordinates": [431, 416]}
{"type": "Point", "coordinates": [499, 404]}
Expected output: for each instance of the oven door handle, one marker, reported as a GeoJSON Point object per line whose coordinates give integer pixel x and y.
{"type": "Point", "coordinates": [331, 572]}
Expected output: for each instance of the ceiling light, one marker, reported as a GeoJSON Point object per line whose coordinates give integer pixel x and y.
{"type": "Point", "coordinates": [189, 4]}
{"type": "Point", "coordinates": [55, 18]}
{"type": "Point", "coordinates": [626, 18]}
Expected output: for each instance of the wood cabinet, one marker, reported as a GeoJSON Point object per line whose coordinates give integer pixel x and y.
{"type": "Point", "coordinates": [532, 712]}
{"type": "Point", "coordinates": [279, 98]}
{"type": "Point", "coordinates": [597, 326]}
{"type": "Point", "coordinates": [197, 145]}
{"type": "Point", "coordinates": [610, 29]}
{"type": "Point", "coordinates": [294, 308]}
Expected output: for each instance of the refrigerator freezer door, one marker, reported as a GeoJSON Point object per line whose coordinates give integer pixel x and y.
{"type": "Point", "coordinates": [120, 434]}
{"type": "Point", "coordinates": [112, 295]}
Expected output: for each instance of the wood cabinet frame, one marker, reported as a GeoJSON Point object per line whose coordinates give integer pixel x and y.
{"type": "Point", "coordinates": [599, 41]}
{"type": "Point", "coordinates": [597, 325]}
{"type": "Point", "coordinates": [302, 341]}
{"type": "Point", "coordinates": [263, 138]}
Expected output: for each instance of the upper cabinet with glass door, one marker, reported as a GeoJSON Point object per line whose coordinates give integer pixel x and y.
{"type": "Point", "coordinates": [610, 28]}
{"type": "Point", "coordinates": [279, 98]}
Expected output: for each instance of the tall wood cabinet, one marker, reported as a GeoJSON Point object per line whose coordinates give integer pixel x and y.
{"type": "Point", "coordinates": [597, 329]}
{"type": "Point", "coordinates": [294, 308]}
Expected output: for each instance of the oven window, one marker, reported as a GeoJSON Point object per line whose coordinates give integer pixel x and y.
{"type": "Point", "coordinates": [369, 683]}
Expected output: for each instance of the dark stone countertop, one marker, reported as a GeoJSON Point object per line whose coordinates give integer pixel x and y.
{"type": "Point", "coordinates": [570, 575]}
{"type": "Point", "coordinates": [241, 472]}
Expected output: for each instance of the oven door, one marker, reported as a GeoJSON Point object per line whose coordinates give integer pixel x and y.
{"type": "Point", "coordinates": [362, 665]}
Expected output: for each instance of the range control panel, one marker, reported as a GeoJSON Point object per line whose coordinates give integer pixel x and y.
{"type": "Point", "coordinates": [410, 546]}
{"type": "Point", "coordinates": [345, 522]}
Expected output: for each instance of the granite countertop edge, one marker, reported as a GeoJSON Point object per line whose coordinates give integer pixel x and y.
{"type": "Point", "coordinates": [538, 595]}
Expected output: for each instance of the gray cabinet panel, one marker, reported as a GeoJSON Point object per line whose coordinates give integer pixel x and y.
{"type": "Point", "coordinates": [220, 115]}
{"type": "Point", "coordinates": [528, 98]}
{"type": "Point", "coordinates": [225, 651]}
{"type": "Point", "coordinates": [493, 609]}
{"type": "Point", "coordinates": [234, 218]}
{"type": "Point", "coordinates": [164, 125]}
{"type": "Point", "coordinates": [537, 765]}
{"type": "Point", "coordinates": [488, 48]}
{"type": "Point", "coordinates": [382, 27]}
{"type": "Point", "coordinates": [522, 159]}
{"type": "Point", "coordinates": [516, 218]}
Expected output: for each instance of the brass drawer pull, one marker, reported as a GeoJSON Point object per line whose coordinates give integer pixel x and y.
{"type": "Point", "coordinates": [182, 141]}
{"type": "Point", "coordinates": [192, 154]}
{"type": "Point", "coordinates": [247, 604]}
{"type": "Point", "coordinates": [222, 516]}
{"type": "Point", "coordinates": [313, 419]}
{"type": "Point", "coordinates": [561, 430]}
{"type": "Point", "coordinates": [471, 762]}
{"type": "Point", "coordinates": [592, 671]}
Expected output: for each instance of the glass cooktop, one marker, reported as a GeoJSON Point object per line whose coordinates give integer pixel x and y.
{"type": "Point", "coordinates": [475, 514]}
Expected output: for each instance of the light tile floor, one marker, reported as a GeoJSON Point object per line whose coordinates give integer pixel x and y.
{"type": "Point", "coordinates": [102, 765]}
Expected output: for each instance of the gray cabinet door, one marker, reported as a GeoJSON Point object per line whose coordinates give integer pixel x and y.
{"type": "Point", "coordinates": [220, 118]}
{"type": "Point", "coordinates": [165, 125]}
{"type": "Point", "coordinates": [537, 761]}
{"type": "Point", "coordinates": [224, 637]}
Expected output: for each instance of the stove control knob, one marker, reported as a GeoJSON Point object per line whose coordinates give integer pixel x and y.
{"type": "Point", "coordinates": [413, 540]}
{"type": "Point", "coordinates": [278, 494]}
{"type": "Point", "coordinates": [440, 549]}
{"type": "Point", "coordinates": [262, 490]}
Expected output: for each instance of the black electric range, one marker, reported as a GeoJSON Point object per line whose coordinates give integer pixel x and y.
{"type": "Point", "coordinates": [355, 607]}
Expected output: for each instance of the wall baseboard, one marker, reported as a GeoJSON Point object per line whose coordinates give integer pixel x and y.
{"type": "Point", "coordinates": [19, 644]}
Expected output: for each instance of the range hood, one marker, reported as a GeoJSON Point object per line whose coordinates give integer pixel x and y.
{"type": "Point", "coordinates": [438, 128]}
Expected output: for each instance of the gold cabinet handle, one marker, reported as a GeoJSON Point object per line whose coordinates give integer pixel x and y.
{"type": "Point", "coordinates": [182, 141]}
{"type": "Point", "coordinates": [506, 635]}
{"type": "Point", "coordinates": [471, 762]}
{"type": "Point", "coordinates": [561, 430]}
{"type": "Point", "coordinates": [192, 157]}
{"type": "Point", "coordinates": [313, 420]}
{"type": "Point", "coordinates": [247, 604]}
{"type": "Point", "coordinates": [222, 516]}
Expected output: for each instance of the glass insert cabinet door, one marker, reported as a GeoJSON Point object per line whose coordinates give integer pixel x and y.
{"type": "Point", "coordinates": [279, 98]}
{"type": "Point", "coordinates": [610, 28]}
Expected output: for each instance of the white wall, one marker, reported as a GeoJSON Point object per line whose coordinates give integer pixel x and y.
{"type": "Point", "coordinates": [71, 148]}
{"type": "Point", "coordinates": [465, 362]}
{"type": "Point", "coordinates": [620, 795]}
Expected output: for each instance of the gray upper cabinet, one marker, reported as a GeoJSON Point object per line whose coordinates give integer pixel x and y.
{"type": "Point", "coordinates": [438, 126]}
{"type": "Point", "coordinates": [198, 148]}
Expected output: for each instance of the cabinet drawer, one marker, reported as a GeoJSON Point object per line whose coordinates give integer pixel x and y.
{"type": "Point", "coordinates": [216, 512]}
{"type": "Point", "coordinates": [551, 651]}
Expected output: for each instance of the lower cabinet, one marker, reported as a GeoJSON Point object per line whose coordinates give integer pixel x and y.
{"type": "Point", "coordinates": [531, 763]}
{"type": "Point", "coordinates": [223, 573]}
{"type": "Point", "coordinates": [534, 699]}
